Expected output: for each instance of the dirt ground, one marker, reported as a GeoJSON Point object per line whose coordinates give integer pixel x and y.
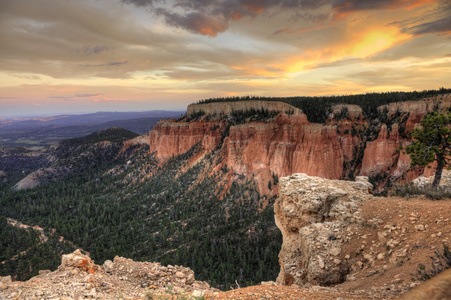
{"type": "Point", "coordinates": [286, 292]}
{"type": "Point", "coordinates": [385, 248]}
{"type": "Point", "coordinates": [404, 233]}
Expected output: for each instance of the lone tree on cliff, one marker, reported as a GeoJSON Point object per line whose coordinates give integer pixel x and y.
{"type": "Point", "coordinates": [432, 142]}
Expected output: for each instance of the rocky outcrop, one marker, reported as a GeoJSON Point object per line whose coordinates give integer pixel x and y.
{"type": "Point", "coordinates": [423, 182]}
{"type": "Point", "coordinates": [310, 212]}
{"type": "Point", "coordinates": [78, 278]}
{"type": "Point", "coordinates": [226, 108]}
{"type": "Point", "coordinates": [441, 102]}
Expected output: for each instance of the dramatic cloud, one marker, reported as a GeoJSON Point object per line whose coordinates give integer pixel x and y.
{"type": "Point", "coordinates": [150, 54]}
{"type": "Point", "coordinates": [196, 22]}
{"type": "Point", "coordinates": [212, 17]}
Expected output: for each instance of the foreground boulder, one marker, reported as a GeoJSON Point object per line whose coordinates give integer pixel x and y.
{"type": "Point", "coordinates": [78, 278]}
{"type": "Point", "coordinates": [311, 212]}
{"type": "Point", "coordinates": [437, 288]}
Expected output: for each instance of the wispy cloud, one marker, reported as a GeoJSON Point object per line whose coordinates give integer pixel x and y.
{"type": "Point", "coordinates": [87, 95]}
{"type": "Point", "coordinates": [435, 21]}
{"type": "Point", "coordinates": [92, 49]}
{"type": "Point", "coordinates": [111, 64]}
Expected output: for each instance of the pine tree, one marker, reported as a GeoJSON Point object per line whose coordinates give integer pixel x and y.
{"type": "Point", "coordinates": [432, 142]}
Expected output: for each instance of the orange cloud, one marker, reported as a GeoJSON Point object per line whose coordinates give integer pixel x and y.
{"type": "Point", "coordinates": [254, 7]}
{"type": "Point", "coordinates": [208, 30]}
{"type": "Point", "coordinates": [360, 40]}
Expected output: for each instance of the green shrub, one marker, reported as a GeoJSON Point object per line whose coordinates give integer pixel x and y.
{"type": "Point", "coordinates": [440, 262]}
{"type": "Point", "coordinates": [410, 190]}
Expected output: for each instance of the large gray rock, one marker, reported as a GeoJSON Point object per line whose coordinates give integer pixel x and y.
{"type": "Point", "coordinates": [310, 212]}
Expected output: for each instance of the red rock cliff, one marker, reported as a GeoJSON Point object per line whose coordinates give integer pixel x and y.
{"type": "Point", "coordinates": [170, 138]}
{"type": "Point", "coordinates": [290, 144]}
{"type": "Point", "coordinates": [287, 145]}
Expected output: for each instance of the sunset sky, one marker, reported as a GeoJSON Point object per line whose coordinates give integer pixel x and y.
{"type": "Point", "coordinates": [76, 56]}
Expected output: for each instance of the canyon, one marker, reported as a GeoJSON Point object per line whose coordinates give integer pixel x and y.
{"type": "Point", "coordinates": [211, 182]}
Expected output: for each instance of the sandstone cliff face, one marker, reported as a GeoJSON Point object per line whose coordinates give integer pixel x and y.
{"type": "Point", "coordinates": [310, 212]}
{"type": "Point", "coordinates": [169, 138]}
{"type": "Point", "coordinates": [282, 146]}
{"type": "Point", "coordinates": [288, 145]}
{"type": "Point", "coordinates": [227, 108]}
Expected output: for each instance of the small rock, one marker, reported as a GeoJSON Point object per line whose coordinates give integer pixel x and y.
{"type": "Point", "coordinates": [321, 262]}
{"type": "Point", "coordinates": [108, 265]}
{"type": "Point", "coordinates": [419, 227]}
{"type": "Point", "coordinates": [198, 294]}
{"type": "Point", "coordinates": [335, 251]}
{"type": "Point", "coordinates": [359, 264]}
{"type": "Point", "coordinates": [268, 283]}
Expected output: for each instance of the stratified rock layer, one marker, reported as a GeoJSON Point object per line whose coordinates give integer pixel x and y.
{"type": "Point", "coordinates": [310, 212]}
{"type": "Point", "coordinates": [227, 108]}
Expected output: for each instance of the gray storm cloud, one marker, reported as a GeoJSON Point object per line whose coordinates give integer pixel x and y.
{"type": "Point", "coordinates": [213, 17]}
{"type": "Point", "coordinates": [442, 25]}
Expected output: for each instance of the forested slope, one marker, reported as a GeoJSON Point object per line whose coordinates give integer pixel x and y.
{"type": "Point", "coordinates": [174, 213]}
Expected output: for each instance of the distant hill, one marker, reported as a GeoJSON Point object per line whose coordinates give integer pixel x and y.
{"type": "Point", "coordinates": [42, 132]}
{"type": "Point", "coordinates": [84, 119]}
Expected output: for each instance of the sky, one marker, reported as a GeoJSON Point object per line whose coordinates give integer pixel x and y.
{"type": "Point", "coordinates": [77, 56]}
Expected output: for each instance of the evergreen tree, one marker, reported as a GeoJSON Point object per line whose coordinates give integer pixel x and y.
{"type": "Point", "coordinates": [432, 142]}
